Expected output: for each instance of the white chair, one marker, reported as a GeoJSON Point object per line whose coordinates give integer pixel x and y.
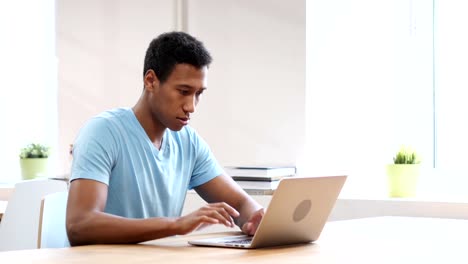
{"type": "Point", "coordinates": [52, 229]}
{"type": "Point", "coordinates": [20, 223]}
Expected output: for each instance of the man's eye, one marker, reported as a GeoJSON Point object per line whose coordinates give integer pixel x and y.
{"type": "Point", "coordinates": [199, 93]}
{"type": "Point", "coordinates": [184, 92]}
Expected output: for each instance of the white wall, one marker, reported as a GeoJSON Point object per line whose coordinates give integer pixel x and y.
{"type": "Point", "coordinates": [101, 47]}
{"type": "Point", "coordinates": [253, 111]}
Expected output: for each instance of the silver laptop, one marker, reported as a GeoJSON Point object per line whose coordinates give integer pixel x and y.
{"type": "Point", "coordinates": [297, 213]}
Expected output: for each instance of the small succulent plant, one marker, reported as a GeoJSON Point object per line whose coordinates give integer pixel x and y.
{"type": "Point", "coordinates": [406, 156]}
{"type": "Point", "coordinates": [34, 151]}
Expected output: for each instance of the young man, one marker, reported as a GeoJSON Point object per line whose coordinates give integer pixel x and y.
{"type": "Point", "coordinates": [133, 166]}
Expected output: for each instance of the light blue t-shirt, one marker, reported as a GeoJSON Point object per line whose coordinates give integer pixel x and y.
{"type": "Point", "coordinates": [113, 148]}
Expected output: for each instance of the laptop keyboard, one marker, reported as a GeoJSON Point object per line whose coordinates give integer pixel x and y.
{"type": "Point", "coordinates": [244, 241]}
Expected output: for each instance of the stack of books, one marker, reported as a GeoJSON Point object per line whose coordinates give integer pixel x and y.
{"type": "Point", "coordinates": [259, 173]}
{"type": "Point", "coordinates": [258, 179]}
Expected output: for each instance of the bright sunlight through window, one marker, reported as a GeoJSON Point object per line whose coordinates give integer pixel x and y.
{"type": "Point", "coordinates": [381, 74]}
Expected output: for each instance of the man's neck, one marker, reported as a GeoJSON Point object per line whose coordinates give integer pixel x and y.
{"type": "Point", "coordinates": [154, 130]}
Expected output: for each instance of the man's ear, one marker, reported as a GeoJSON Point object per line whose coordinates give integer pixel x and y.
{"type": "Point", "coordinates": [150, 80]}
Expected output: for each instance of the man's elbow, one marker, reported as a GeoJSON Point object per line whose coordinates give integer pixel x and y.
{"type": "Point", "coordinates": [76, 232]}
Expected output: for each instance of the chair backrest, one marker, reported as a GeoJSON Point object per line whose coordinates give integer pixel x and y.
{"type": "Point", "coordinates": [52, 230]}
{"type": "Point", "coordinates": [20, 222]}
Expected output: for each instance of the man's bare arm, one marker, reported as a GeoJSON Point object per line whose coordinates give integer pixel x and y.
{"type": "Point", "coordinates": [88, 224]}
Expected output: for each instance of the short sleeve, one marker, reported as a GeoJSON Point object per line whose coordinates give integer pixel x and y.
{"type": "Point", "coordinates": [206, 166]}
{"type": "Point", "coordinates": [94, 152]}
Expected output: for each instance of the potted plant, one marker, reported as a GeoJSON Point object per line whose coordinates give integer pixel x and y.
{"type": "Point", "coordinates": [34, 161]}
{"type": "Point", "coordinates": [403, 174]}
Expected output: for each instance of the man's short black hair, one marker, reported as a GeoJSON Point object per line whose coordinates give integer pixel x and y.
{"type": "Point", "coordinates": [172, 48]}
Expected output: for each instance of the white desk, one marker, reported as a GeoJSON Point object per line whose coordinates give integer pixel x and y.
{"type": "Point", "coordinates": [385, 240]}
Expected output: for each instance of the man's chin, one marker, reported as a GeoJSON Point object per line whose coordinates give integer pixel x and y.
{"type": "Point", "coordinates": [176, 128]}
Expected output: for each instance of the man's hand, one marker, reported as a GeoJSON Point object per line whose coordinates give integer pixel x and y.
{"type": "Point", "coordinates": [224, 188]}
{"type": "Point", "coordinates": [250, 227]}
{"type": "Point", "coordinates": [215, 213]}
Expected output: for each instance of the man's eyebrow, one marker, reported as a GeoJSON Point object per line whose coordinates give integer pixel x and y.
{"type": "Point", "coordinates": [185, 86]}
{"type": "Point", "coordinates": [191, 87]}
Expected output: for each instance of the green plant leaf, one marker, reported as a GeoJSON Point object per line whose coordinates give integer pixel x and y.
{"type": "Point", "coordinates": [406, 156]}
{"type": "Point", "coordinates": [34, 150]}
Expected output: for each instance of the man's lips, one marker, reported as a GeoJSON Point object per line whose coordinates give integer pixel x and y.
{"type": "Point", "coordinates": [184, 120]}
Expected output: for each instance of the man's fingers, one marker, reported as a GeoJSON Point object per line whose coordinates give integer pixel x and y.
{"type": "Point", "coordinates": [229, 209]}
{"type": "Point", "coordinates": [220, 214]}
{"type": "Point", "coordinates": [257, 217]}
{"type": "Point", "coordinates": [250, 227]}
{"type": "Point", "coordinates": [228, 219]}
{"type": "Point", "coordinates": [217, 213]}
{"type": "Point", "coordinates": [224, 211]}
{"type": "Point", "coordinates": [209, 219]}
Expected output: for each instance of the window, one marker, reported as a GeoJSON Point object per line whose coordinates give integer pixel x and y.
{"type": "Point", "coordinates": [28, 85]}
{"type": "Point", "coordinates": [451, 67]}
{"type": "Point", "coordinates": [381, 74]}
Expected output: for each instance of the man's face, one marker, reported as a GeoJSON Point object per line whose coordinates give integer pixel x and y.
{"type": "Point", "coordinates": [173, 101]}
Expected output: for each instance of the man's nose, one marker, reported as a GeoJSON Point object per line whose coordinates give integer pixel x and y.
{"type": "Point", "coordinates": [190, 104]}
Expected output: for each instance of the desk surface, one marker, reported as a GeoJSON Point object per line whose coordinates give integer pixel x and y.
{"type": "Point", "coordinates": [370, 240]}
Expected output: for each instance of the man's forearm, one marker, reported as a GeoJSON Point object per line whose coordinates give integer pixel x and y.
{"type": "Point", "coordinates": [103, 228]}
{"type": "Point", "coordinates": [247, 208]}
